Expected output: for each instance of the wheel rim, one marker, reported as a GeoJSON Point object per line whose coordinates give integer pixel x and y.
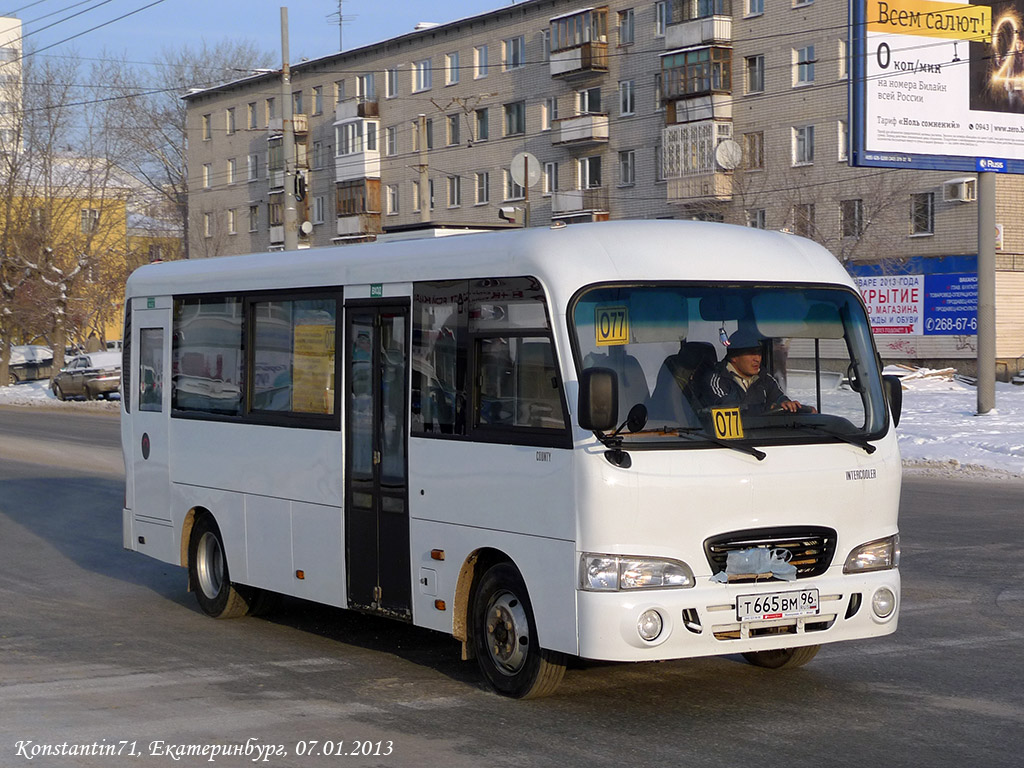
{"type": "Point", "coordinates": [508, 633]}
{"type": "Point", "coordinates": [210, 565]}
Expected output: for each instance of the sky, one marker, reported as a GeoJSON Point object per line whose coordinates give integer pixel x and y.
{"type": "Point", "coordinates": [68, 25]}
{"type": "Point", "coordinates": [940, 432]}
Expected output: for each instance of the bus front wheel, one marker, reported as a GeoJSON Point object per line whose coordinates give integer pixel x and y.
{"type": "Point", "coordinates": [208, 573]}
{"type": "Point", "coordinates": [505, 638]}
{"type": "Point", "coordinates": [782, 658]}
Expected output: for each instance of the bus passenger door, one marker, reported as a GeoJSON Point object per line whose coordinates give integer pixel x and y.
{"type": "Point", "coordinates": [150, 385]}
{"type": "Point", "coordinates": [376, 460]}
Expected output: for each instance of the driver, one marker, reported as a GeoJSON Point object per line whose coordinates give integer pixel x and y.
{"type": "Point", "coordinates": [739, 381]}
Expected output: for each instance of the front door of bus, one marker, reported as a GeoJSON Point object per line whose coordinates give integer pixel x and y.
{"type": "Point", "coordinates": [150, 385]}
{"type": "Point", "coordinates": [376, 465]}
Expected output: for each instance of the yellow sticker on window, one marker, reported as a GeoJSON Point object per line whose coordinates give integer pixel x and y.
{"type": "Point", "coordinates": [611, 326]}
{"type": "Point", "coordinates": [728, 424]}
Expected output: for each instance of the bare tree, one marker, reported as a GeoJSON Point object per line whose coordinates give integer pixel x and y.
{"type": "Point", "coordinates": [151, 113]}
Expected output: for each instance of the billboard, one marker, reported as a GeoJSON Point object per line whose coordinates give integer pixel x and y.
{"type": "Point", "coordinates": [938, 85]}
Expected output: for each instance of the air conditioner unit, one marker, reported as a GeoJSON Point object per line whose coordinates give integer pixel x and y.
{"type": "Point", "coordinates": [960, 190]}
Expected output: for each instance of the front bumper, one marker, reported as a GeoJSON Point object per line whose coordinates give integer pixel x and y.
{"type": "Point", "coordinates": [701, 621]}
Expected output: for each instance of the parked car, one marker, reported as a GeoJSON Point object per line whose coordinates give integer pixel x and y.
{"type": "Point", "coordinates": [97, 374]}
{"type": "Point", "coordinates": [30, 362]}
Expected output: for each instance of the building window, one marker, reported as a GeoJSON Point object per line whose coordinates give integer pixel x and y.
{"type": "Point", "coordinates": [515, 118]}
{"type": "Point", "coordinates": [922, 213]}
{"type": "Point", "coordinates": [232, 230]}
{"type": "Point", "coordinates": [756, 218]}
{"type": "Point", "coordinates": [454, 191]}
{"type": "Point", "coordinates": [589, 172]}
{"type": "Point", "coordinates": [480, 66]}
{"type": "Point", "coordinates": [754, 150]}
{"type": "Point", "coordinates": [483, 131]}
{"type": "Point", "coordinates": [697, 71]}
{"type": "Point", "coordinates": [850, 221]}
{"type": "Point", "coordinates": [546, 40]}
{"type": "Point", "coordinates": [803, 66]}
{"type": "Point", "coordinates": [513, 52]}
{"type": "Point", "coordinates": [297, 103]}
{"type": "Point", "coordinates": [453, 130]}
{"type": "Point", "coordinates": [391, 140]}
{"type": "Point", "coordinates": [391, 83]}
{"type": "Point", "coordinates": [627, 168]}
{"type": "Point", "coordinates": [513, 191]}
{"type": "Point", "coordinates": [843, 139]}
{"type": "Point", "coordinates": [627, 97]}
{"type": "Point", "coordinates": [392, 199]}
{"type": "Point", "coordinates": [207, 175]}
{"type": "Point", "coordinates": [483, 188]}
{"type": "Point", "coordinates": [421, 76]}
{"type": "Point", "coordinates": [253, 167]}
{"type": "Point", "coordinates": [207, 225]}
{"type": "Point", "coordinates": [231, 170]}
{"type": "Point", "coordinates": [803, 219]}
{"type": "Point", "coordinates": [90, 221]}
{"type": "Point", "coordinates": [366, 87]}
{"type": "Point", "coordinates": [250, 115]}
{"type": "Point", "coordinates": [318, 99]}
{"type": "Point", "coordinates": [755, 73]}
{"type": "Point", "coordinates": [339, 91]}
{"type": "Point", "coordinates": [254, 218]}
{"type": "Point", "coordinates": [318, 209]}
{"type": "Point", "coordinates": [550, 178]}
{"type": "Point", "coordinates": [803, 145]}
{"type": "Point", "coordinates": [548, 112]}
{"type": "Point", "coordinates": [271, 109]}
{"type": "Point", "coordinates": [626, 33]}
{"type": "Point", "coordinates": [844, 65]}
{"type": "Point", "coordinates": [207, 129]}
{"type": "Point", "coordinates": [451, 68]}
{"type": "Point", "coordinates": [588, 101]}
{"type": "Point", "coordinates": [229, 120]}
{"type": "Point", "coordinates": [660, 18]}
{"type": "Point", "coordinates": [318, 154]}
{"type": "Point", "coordinates": [356, 136]}
{"type": "Point", "coordinates": [754, 7]}
{"type": "Point", "coordinates": [659, 163]}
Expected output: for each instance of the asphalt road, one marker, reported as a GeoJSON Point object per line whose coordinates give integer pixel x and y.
{"type": "Point", "coordinates": [103, 646]}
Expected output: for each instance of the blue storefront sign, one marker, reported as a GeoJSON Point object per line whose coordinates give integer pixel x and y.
{"type": "Point", "coordinates": [951, 304]}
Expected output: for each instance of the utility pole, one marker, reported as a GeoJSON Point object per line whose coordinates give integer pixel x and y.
{"type": "Point", "coordinates": [291, 213]}
{"type": "Point", "coordinates": [424, 176]}
{"type": "Point", "coordinates": [986, 292]}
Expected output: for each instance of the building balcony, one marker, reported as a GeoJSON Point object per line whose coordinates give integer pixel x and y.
{"type": "Point", "coordinates": [357, 165]}
{"type": "Point", "coordinates": [583, 59]}
{"type": "Point", "coordinates": [359, 225]}
{"type": "Point", "coordinates": [711, 106]}
{"type": "Point", "coordinates": [704, 186]}
{"type": "Point", "coordinates": [694, 22]}
{"type": "Point", "coordinates": [580, 130]}
{"type": "Point", "coordinates": [300, 124]}
{"type": "Point", "coordinates": [576, 201]}
{"type": "Point", "coordinates": [350, 109]}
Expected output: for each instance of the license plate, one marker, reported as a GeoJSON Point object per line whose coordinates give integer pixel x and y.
{"type": "Point", "coordinates": [777, 605]}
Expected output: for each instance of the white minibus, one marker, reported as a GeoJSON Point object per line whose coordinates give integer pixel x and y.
{"type": "Point", "coordinates": [539, 441]}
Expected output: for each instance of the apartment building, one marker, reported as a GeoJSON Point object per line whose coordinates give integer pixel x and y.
{"type": "Point", "coordinates": [724, 110]}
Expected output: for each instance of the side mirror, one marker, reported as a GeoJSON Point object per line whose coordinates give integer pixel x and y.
{"type": "Point", "coordinates": [894, 394]}
{"type": "Point", "coordinates": [599, 399]}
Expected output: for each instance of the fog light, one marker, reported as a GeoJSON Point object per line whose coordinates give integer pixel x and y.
{"type": "Point", "coordinates": [883, 603]}
{"type": "Point", "coordinates": [650, 625]}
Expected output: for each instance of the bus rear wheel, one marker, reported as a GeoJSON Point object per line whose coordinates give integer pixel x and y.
{"type": "Point", "coordinates": [209, 576]}
{"type": "Point", "coordinates": [505, 638]}
{"type": "Point", "coordinates": [782, 658]}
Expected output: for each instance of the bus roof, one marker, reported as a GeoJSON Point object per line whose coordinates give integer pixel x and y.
{"type": "Point", "coordinates": [563, 258]}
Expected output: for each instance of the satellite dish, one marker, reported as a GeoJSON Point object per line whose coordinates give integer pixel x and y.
{"type": "Point", "coordinates": [525, 169]}
{"type": "Point", "coordinates": [728, 154]}
{"type": "Point", "coordinates": [306, 228]}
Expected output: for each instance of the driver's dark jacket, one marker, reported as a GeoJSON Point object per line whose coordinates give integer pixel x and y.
{"type": "Point", "coordinates": [723, 390]}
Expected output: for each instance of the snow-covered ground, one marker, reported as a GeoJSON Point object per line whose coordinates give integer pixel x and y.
{"type": "Point", "coordinates": [940, 431]}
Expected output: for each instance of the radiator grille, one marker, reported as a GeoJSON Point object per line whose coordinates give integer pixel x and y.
{"type": "Point", "coordinates": [812, 547]}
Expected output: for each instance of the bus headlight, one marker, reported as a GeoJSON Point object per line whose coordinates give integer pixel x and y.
{"type": "Point", "coordinates": [879, 555]}
{"type": "Point", "coordinates": [610, 573]}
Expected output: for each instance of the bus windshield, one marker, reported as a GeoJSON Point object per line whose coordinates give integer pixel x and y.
{"type": "Point", "coordinates": [761, 363]}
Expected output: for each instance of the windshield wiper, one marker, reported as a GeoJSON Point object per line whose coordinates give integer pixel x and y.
{"type": "Point", "coordinates": [698, 434]}
{"type": "Point", "coordinates": [860, 442]}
